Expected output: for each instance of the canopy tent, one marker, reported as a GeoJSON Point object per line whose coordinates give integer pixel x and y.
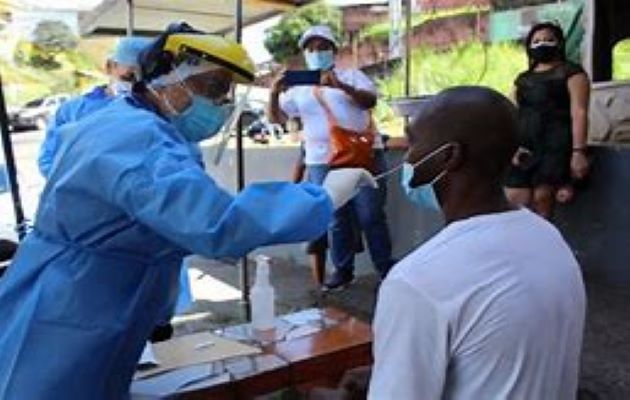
{"type": "Point", "coordinates": [149, 17]}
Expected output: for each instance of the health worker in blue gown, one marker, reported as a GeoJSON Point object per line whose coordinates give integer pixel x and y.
{"type": "Point", "coordinates": [126, 200]}
{"type": "Point", "coordinates": [123, 69]}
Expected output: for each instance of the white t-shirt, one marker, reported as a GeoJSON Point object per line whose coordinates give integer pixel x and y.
{"type": "Point", "coordinates": [299, 102]}
{"type": "Point", "coordinates": [490, 308]}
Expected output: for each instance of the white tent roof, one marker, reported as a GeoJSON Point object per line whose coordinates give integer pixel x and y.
{"type": "Point", "coordinates": [152, 16]}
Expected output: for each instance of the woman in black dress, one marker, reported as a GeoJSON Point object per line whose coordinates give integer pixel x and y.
{"type": "Point", "coordinates": [552, 96]}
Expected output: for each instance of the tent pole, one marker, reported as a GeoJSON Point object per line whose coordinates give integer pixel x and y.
{"type": "Point", "coordinates": [407, 48]}
{"type": "Point", "coordinates": [407, 52]}
{"type": "Point", "coordinates": [240, 169]}
{"type": "Point", "coordinates": [130, 17]}
{"type": "Point", "coordinates": [7, 147]}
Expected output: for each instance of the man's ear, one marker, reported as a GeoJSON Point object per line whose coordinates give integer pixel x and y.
{"type": "Point", "coordinates": [454, 155]}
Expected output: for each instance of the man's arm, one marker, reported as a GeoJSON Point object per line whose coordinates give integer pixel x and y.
{"type": "Point", "coordinates": [411, 350]}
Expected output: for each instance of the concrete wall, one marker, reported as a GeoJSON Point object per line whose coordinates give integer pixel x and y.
{"type": "Point", "coordinates": [596, 224]}
{"type": "Point", "coordinates": [609, 115]}
{"type": "Point", "coordinates": [409, 226]}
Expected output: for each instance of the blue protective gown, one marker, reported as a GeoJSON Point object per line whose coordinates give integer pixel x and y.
{"type": "Point", "coordinates": [125, 201]}
{"type": "Point", "coordinates": [70, 111]}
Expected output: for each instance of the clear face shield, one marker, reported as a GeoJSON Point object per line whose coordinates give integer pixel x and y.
{"type": "Point", "coordinates": [214, 106]}
{"type": "Point", "coordinates": [241, 96]}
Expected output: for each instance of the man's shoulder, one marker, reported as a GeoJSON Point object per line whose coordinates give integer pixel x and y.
{"type": "Point", "coordinates": [452, 253]}
{"type": "Point", "coordinates": [426, 263]}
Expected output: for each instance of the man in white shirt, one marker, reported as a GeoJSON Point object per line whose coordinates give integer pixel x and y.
{"type": "Point", "coordinates": [350, 95]}
{"type": "Point", "coordinates": [492, 307]}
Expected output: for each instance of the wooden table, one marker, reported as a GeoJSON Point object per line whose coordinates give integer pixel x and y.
{"type": "Point", "coordinates": [322, 356]}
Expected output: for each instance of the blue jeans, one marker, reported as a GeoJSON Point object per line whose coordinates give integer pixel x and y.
{"type": "Point", "coordinates": [367, 210]}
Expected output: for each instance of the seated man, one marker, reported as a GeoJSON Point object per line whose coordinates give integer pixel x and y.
{"type": "Point", "coordinates": [493, 306]}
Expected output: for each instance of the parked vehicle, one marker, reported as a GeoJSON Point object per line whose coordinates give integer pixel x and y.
{"type": "Point", "coordinates": [4, 180]}
{"type": "Point", "coordinates": [256, 125]}
{"type": "Point", "coordinates": [35, 113]}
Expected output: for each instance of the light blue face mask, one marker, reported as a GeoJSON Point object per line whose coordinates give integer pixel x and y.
{"type": "Point", "coordinates": [422, 196]}
{"type": "Point", "coordinates": [319, 60]}
{"type": "Point", "coordinates": [201, 120]}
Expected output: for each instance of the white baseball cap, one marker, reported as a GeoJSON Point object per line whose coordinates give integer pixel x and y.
{"type": "Point", "coordinates": [320, 31]}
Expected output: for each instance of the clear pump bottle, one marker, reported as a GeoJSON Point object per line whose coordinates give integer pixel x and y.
{"type": "Point", "coordinates": [263, 297]}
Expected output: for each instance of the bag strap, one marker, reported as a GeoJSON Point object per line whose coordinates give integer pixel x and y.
{"type": "Point", "coordinates": [332, 121]}
{"type": "Point", "coordinates": [317, 92]}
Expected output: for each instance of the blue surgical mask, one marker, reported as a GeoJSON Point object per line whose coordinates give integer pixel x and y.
{"type": "Point", "coordinates": [422, 196]}
{"type": "Point", "coordinates": [319, 60]}
{"type": "Point", "coordinates": [201, 120]}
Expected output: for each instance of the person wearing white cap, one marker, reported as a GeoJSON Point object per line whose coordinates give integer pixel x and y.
{"type": "Point", "coordinates": [343, 99]}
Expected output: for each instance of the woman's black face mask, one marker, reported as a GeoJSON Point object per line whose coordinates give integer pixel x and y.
{"type": "Point", "coordinates": [544, 52]}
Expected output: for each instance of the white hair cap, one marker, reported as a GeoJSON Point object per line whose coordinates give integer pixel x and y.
{"type": "Point", "coordinates": [183, 71]}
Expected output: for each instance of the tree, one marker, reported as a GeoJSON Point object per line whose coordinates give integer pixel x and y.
{"type": "Point", "coordinates": [282, 40]}
{"type": "Point", "coordinates": [49, 39]}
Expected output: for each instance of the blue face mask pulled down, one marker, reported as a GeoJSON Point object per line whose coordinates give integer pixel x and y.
{"type": "Point", "coordinates": [422, 196]}
{"type": "Point", "coordinates": [201, 120]}
{"type": "Point", "coordinates": [319, 60]}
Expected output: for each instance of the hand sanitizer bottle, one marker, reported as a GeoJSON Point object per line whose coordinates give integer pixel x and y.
{"type": "Point", "coordinates": [263, 297]}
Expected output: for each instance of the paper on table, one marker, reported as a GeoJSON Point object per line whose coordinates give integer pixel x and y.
{"type": "Point", "coordinates": [171, 382]}
{"type": "Point", "coordinates": [194, 349]}
{"type": "Point", "coordinates": [147, 356]}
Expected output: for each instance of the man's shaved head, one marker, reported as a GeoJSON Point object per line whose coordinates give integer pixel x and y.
{"type": "Point", "coordinates": [481, 121]}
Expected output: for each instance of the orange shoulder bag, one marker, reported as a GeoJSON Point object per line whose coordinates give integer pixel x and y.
{"type": "Point", "coordinates": [348, 148]}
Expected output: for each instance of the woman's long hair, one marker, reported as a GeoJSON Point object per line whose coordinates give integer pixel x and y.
{"type": "Point", "coordinates": [557, 32]}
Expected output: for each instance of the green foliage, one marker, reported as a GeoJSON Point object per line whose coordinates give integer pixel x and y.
{"type": "Point", "coordinates": [475, 63]}
{"type": "Point", "coordinates": [621, 60]}
{"type": "Point", "coordinates": [39, 59]}
{"type": "Point", "coordinates": [32, 76]}
{"type": "Point", "coordinates": [282, 40]}
{"type": "Point", "coordinates": [49, 39]}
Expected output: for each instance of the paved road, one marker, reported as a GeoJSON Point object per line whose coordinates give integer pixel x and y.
{"type": "Point", "coordinates": [25, 147]}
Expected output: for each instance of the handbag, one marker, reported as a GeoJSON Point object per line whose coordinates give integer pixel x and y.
{"type": "Point", "coordinates": [348, 148]}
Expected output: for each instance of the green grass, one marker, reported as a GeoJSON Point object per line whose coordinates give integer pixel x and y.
{"type": "Point", "coordinates": [495, 66]}
{"type": "Point", "coordinates": [23, 83]}
{"type": "Point", "coordinates": [621, 61]}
